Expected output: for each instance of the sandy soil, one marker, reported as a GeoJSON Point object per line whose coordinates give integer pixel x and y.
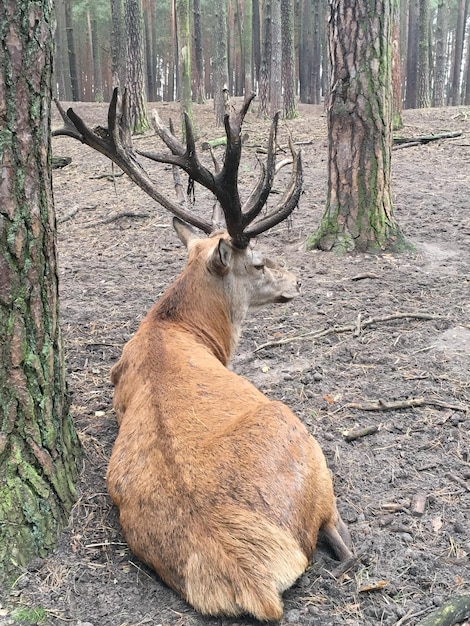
{"type": "Point", "coordinates": [398, 331]}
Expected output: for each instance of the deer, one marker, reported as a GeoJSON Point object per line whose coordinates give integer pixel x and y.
{"type": "Point", "coordinates": [222, 491]}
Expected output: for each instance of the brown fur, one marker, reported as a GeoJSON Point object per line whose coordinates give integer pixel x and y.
{"type": "Point", "coordinates": [220, 490]}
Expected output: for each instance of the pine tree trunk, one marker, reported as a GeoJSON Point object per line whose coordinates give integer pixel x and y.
{"type": "Point", "coordinates": [397, 121]}
{"type": "Point", "coordinates": [439, 99]}
{"type": "Point", "coordinates": [265, 69]}
{"type": "Point", "coordinates": [424, 94]}
{"type": "Point", "coordinates": [39, 450]}
{"type": "Point", "coordinates": [306, 53]}
{"type": "Point", "coordinates": [73, 66]}
{"type": "Point", "coordinates": [458, 52]}
{"type": "Point", "coordinates": [288, 59]}
{"type": "Point", "coordinates": [135, 84]}
{"type": "Point", "coordinates": [220, 63]}
{"type": "Point", "coordinates": [359, 214]}
{"type": "Point", "coordinates": [411, 97]}
{"type": "Point", "coordinates": [198, 54]}
{"type": "Point", "coordinates": [118, 45]}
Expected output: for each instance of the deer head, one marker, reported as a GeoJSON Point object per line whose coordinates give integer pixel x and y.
{"type": "Point", "coordinates": [241, 220]}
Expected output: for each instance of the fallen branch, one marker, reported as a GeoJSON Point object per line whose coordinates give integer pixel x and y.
{"type": "Point", "coordinates": [352, 435]}
{"type": "Point", "coordinates": [380, 405]}
{"type": "Point", "coordinates": [450, 613]}
{"type": "Point", "coordinates": [113, 218]}
{"type": "Point", "coordinates": [109, 177]}
{"type": "Point", "coordinates": [422, 139]}
{"type": "Point", "coordinates": [315, 334]}
{"type": "Point", "coordinates": [67, 216]}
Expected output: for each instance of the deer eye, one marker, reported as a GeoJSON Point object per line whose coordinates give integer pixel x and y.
{"type": "Point", "coordinates": [258, 266]}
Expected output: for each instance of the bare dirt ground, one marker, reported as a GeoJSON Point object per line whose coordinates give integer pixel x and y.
{"type": "Point", "coordinates": [412, 559]}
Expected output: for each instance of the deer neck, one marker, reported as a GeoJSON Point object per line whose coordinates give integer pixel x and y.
{"type": "Point", "coordinates": [194, 304]}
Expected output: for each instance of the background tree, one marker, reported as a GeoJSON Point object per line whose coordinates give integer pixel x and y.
{"type": "Point", "coordinates": [359, 214]}
{"type": "Point", "coordinates": [289, 107]}
{"type": "Point", "coordinates": [397, 121]}
{"type": "Point", "coordinates": [265, 69]}
{"type": "Point", "coordinates": [118, 44]}
{"type": "Point", "coordinates": [458, 51]}
{"type": "Point", "coordinates": [72, 55]}
{"type": "Point", "coordinates": [184, 57]}
{"type": "Point", "coordinates": [220, 67]}
{"type": "Point", "coordinates": [135, 85]}
{"type": "Point", "coordinates": [39, 450]}
{"type": "Point", "coordinates": [199, 90]}
{"type": "Point", "coordinates": [424, 94]}
{"type": "Point", "coordinates": [440, 53]}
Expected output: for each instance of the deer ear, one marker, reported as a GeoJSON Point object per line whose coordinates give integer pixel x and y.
{"type": "Point", "coordinates": [184, 231]}
{"type": "Point", "coordinates": [220, 258]}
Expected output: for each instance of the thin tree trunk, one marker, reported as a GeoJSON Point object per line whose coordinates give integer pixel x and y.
{"type": "Point", "coordinates": [424, 94]}
{"type": "Point", "coordinates": [306, 53]}
{"type": "Point", "coordinates": [137, 101]}
{"type": "Point", "coordinates": [220, 60]}
{"type": "Point", "coordinates": [411, 97]}
{"type": "Point", "coordinates": [118, 46]}
{"type": "Point", "coordinates": [440, 61]}
{"type": "Point", "coordinates": [275, 74]}
{"type": "Point", "coordinates": [397, 121]}
{"type": "Point", "coordinates": [288, 59]}
{"type": "Point", "coordinates": [173, 53]}
{"type": "Point", "coordinates": [198, 54]}
{"type": "Point", "coordinates": [184, 58]}
{"type": "Point", "coordinates": [39, 450]}
{"type": "Point", "coordinates": [97, 76]}
{"type": "Point", "coordinates": [265, 70]}
{"type": "Point", "coordinates": [256, 27]}
{"type": "Point", "coordinates": [248, 46]}
{"type": "Point", "coordinates": [458, 52]}
{"type": "Point", "coordinates": [71, 51]}
{"type": "Point", "coordinates": [61, 64]}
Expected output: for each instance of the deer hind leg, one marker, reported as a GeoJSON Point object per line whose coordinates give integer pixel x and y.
{"type": "Point", "coordinates": [338, 538]}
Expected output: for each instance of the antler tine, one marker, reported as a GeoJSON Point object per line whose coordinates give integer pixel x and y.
{"type": "Point", "coordinates": [257, 199]}
{"type": "Point", "coordinates": [110, 143]}
{"type": "Point", "coordinates": [288, 202]}
{"type": "Point", "coordinates": [68, 129]}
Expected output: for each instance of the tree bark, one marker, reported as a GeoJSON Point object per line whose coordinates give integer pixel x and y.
{"type": "Point", "coordinates": [458, 52]}
{"type": "Point", "coordinates": [71, 52]}
{"type": "Point", "coordinates": [397, 121]}
{"type": "Point", "coordinates": [220, 63]}
{"type": "Point", "coordinates": [411, 94]}
{"type": "Point", "coordinates": [359, 214]}
{"type": "Point", "coordinates": [135, 84]}
{"type": "Point", "coordinates": [118, 46]}
{"type": "Point", "coordinates": [424, 94]}
{"type": "Point", "coordinates": [440, 60]}
{"type": "Point", "coordinates": [198, 54]}
{"type": "Point", "coordinates": [265, 69]}
{"type": "Point", "coordinates": [289, 107]}
{"type": "Point", "coordinates": [39, 450]}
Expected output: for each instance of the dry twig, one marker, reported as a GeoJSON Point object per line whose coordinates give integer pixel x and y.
{"type": "Point", "coordinates": [315, 334]}
{"type": "Point", "coordinates": [380, 405]}
{"type": "Point", "coordinates": [117, 216]}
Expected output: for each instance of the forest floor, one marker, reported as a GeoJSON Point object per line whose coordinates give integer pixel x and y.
{"type": "Point", "coordinates": [398, 331]}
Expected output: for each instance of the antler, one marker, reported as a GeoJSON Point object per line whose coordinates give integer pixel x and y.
{"type": "Point", "coordinates": [115, 143]}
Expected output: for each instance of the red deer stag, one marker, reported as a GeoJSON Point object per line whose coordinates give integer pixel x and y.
{"type": "Point", "coordinates": [220, 490]}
